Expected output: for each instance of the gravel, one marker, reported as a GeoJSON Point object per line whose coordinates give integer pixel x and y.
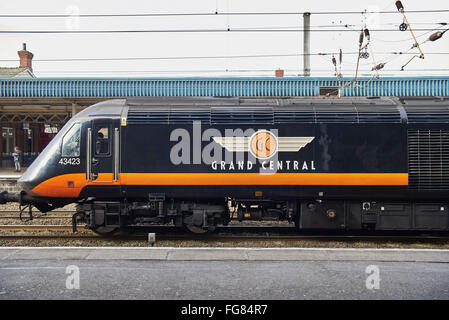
{"type": "Point", "coordinates": [14, 206]}
{"type": "Point", "coordinates": [56, 221]}
{"type": "Point", "coordinates": [313, 243]}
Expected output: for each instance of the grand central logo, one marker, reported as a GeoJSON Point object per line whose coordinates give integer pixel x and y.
{"type": "Point", "coordinates": [245, 149]}
{"type": "Point", "coordinates": [263, 144]}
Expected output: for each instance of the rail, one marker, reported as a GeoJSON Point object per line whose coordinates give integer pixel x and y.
{"type": "Point", "coordinates": [229, 238]}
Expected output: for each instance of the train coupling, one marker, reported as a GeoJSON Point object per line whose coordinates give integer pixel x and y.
{"type": "Point", "coordinates": [22, 198]}
{"type": "Point", "coordinates": [25, 205]}
{"type": "Point", "coordinates": [6, 197]}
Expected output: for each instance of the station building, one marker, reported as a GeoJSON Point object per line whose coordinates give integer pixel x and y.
{"type": "Point", "coordinates": [31, 122]}
{"type": "Point", "coordinates": [32, 109]}
{"type": "Point", "coordinates": [14, 132]}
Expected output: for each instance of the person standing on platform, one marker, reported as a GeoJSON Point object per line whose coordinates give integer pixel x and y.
{"type": "Point", "coordinates": [16, 156]}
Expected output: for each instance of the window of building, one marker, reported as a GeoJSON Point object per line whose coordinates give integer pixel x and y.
{"type": "Point", "coordinates": [8, 140]}
{"type": "Point", "coordinates": [71, 142]}
{"type": "Point", "coordinates": [28, 140]}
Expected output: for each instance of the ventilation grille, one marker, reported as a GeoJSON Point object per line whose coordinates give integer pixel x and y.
{"type": "Point", "coordinates": [338, 114]}
{"type": "Point", "coordinates": [264, 115]}
{"type": "Point", "coordinates": [428, 114]}
{"type": "Point", "coordinates": [428, 159]}
{"type": "Point", "coordinates": [147, 117]}
{"type": "Point", "coordinates": [379, 115]}
{"type": "Point", "coordinates": [167, 116]}
{"type": "Point", "coordinates": [241, 115]}
{"type": "Point", "coordinates": [295, 116]}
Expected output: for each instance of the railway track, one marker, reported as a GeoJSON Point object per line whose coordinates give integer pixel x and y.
{"type": "Point", "coordinates": [60, 214]}
{"type": "Point", "coordinates": [16, 212]}
{"type": "Point", "coordinates": [221, 235]}
{"type": "Point", "coordinates": [221, 238]}
{"type": "Point", "coordinates": [40, 217]}
{"type": "Point", "coordinates": [14, 227]}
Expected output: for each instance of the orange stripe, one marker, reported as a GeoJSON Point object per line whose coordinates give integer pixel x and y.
{"type": "Point", "coordinates": [304, 179]}
{"type": "Point", "coordinates": [58, 186]}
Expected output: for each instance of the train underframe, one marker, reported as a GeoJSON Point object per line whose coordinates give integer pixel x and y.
{"type": "Point", "coordinates": [201, 217]}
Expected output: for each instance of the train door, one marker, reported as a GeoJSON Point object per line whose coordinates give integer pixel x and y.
{"type": "Point", "coordinates": [103, 151]}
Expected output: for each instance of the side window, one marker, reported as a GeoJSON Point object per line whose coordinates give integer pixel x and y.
{"type": "Point", "coordinates": [71, 142]}
{"type": "Point", "coordinates": [102, 141]}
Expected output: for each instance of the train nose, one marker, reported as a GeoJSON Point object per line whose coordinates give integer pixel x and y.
{"type": "Point", "coordinates": [40, 168]}
{"type": "Point", "coordinates": [25, 182]}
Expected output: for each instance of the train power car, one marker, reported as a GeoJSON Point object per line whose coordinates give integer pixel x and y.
{"type": "Point", "coordinates": [342, 164]}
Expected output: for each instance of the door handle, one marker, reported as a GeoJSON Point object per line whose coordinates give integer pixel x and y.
{"type": "Point", "coordinates": [94, 161]}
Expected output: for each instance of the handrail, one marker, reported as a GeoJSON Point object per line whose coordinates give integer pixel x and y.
{"type": "Point", "coordinates": [116, 153]}
{"type": "Point", "coordinates": [89, 154]}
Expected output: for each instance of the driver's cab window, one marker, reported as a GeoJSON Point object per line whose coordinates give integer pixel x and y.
{"type": "Point", "coordinates": [102, 141]}
{"type": "Point", "coordinates": [71, 142]}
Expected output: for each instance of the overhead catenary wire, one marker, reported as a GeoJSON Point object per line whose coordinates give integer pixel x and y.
{"type": "Point", "coordinates": [212, 57]}
{"type": "Point", "coordinates": [400, 40]}
{"type": "Point", "coordinates": [222, 70]}
{"type": "Point", "coordinates": [342, 25]}
{"type": "Point", "coordinates": [435, 36]}
{"type": "Point", "coordinates": [318, 28]}
{"type": "Point", "coordinates": [217, 13]}
{"type": "Point", "coordinates": [183, 31]}
{"type": "Point", "coordinates": [226, 73]}
{"type": "Point", "coordinates": [409, 27]}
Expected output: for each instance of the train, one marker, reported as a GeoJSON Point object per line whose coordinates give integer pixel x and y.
{"type": "Point", "coordinates": [348, 164]}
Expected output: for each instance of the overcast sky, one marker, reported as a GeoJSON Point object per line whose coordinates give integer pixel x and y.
{"type": "Point", "coordinates": [148, 45]}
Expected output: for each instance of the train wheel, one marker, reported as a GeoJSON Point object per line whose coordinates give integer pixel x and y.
{"type": "Point", "coordinates": [196, 230]}
{"type": "Point", "coordinates": [106, 231]}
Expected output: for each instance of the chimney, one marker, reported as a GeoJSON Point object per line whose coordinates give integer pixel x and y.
{"type": "Point", "coordinates": [26, 57]}
{"type": "Point", "coordinates": [279, 73]}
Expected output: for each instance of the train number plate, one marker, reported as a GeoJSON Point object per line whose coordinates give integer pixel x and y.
{"type": "Point", "coordinates": [70, 161]}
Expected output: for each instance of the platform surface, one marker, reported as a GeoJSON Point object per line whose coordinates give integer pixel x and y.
{"type": "Point", "coordinates": [9, 173]}
{"type": "Point", "coordinates": [216, 254]}
{"type": "Point", "coordinates": [223, 273]}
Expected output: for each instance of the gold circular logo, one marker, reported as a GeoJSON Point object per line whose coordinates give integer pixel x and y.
{"type": "Point", "coordinates": [263, 144]}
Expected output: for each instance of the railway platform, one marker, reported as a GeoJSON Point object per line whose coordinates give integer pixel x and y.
{"type": "Point", "coordinates": [9, 173]}
{"type": "Point", "coordinates": [222, 273]}
{"type": "Point", "coordinates": [223, 254]}
{"type": "Point", "coordinates": [8, 179]}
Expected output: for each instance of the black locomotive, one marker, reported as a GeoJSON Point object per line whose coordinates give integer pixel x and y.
{"type": "Point", "coordinates": [347, 164]}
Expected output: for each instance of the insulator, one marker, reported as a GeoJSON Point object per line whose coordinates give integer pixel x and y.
{"type": "Point", "coordinates": [399, 6]}
{"type": "Point", "coordinates": [334, 61]}
{"type": "Point", "coordinates": [367, 33]}
{"type": "Point", "coordinates": [403, 26]}
{"type": "Point", "coordinates": [364, 55]}
{"type": "Point", "coordinates": [341, 56]}
{"type": "Point", "coordinates": [361, 38]}
{"type": "Point", "coordinates": [435, 36]}
{"type": "Point", "coordinates": [378, 67]}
